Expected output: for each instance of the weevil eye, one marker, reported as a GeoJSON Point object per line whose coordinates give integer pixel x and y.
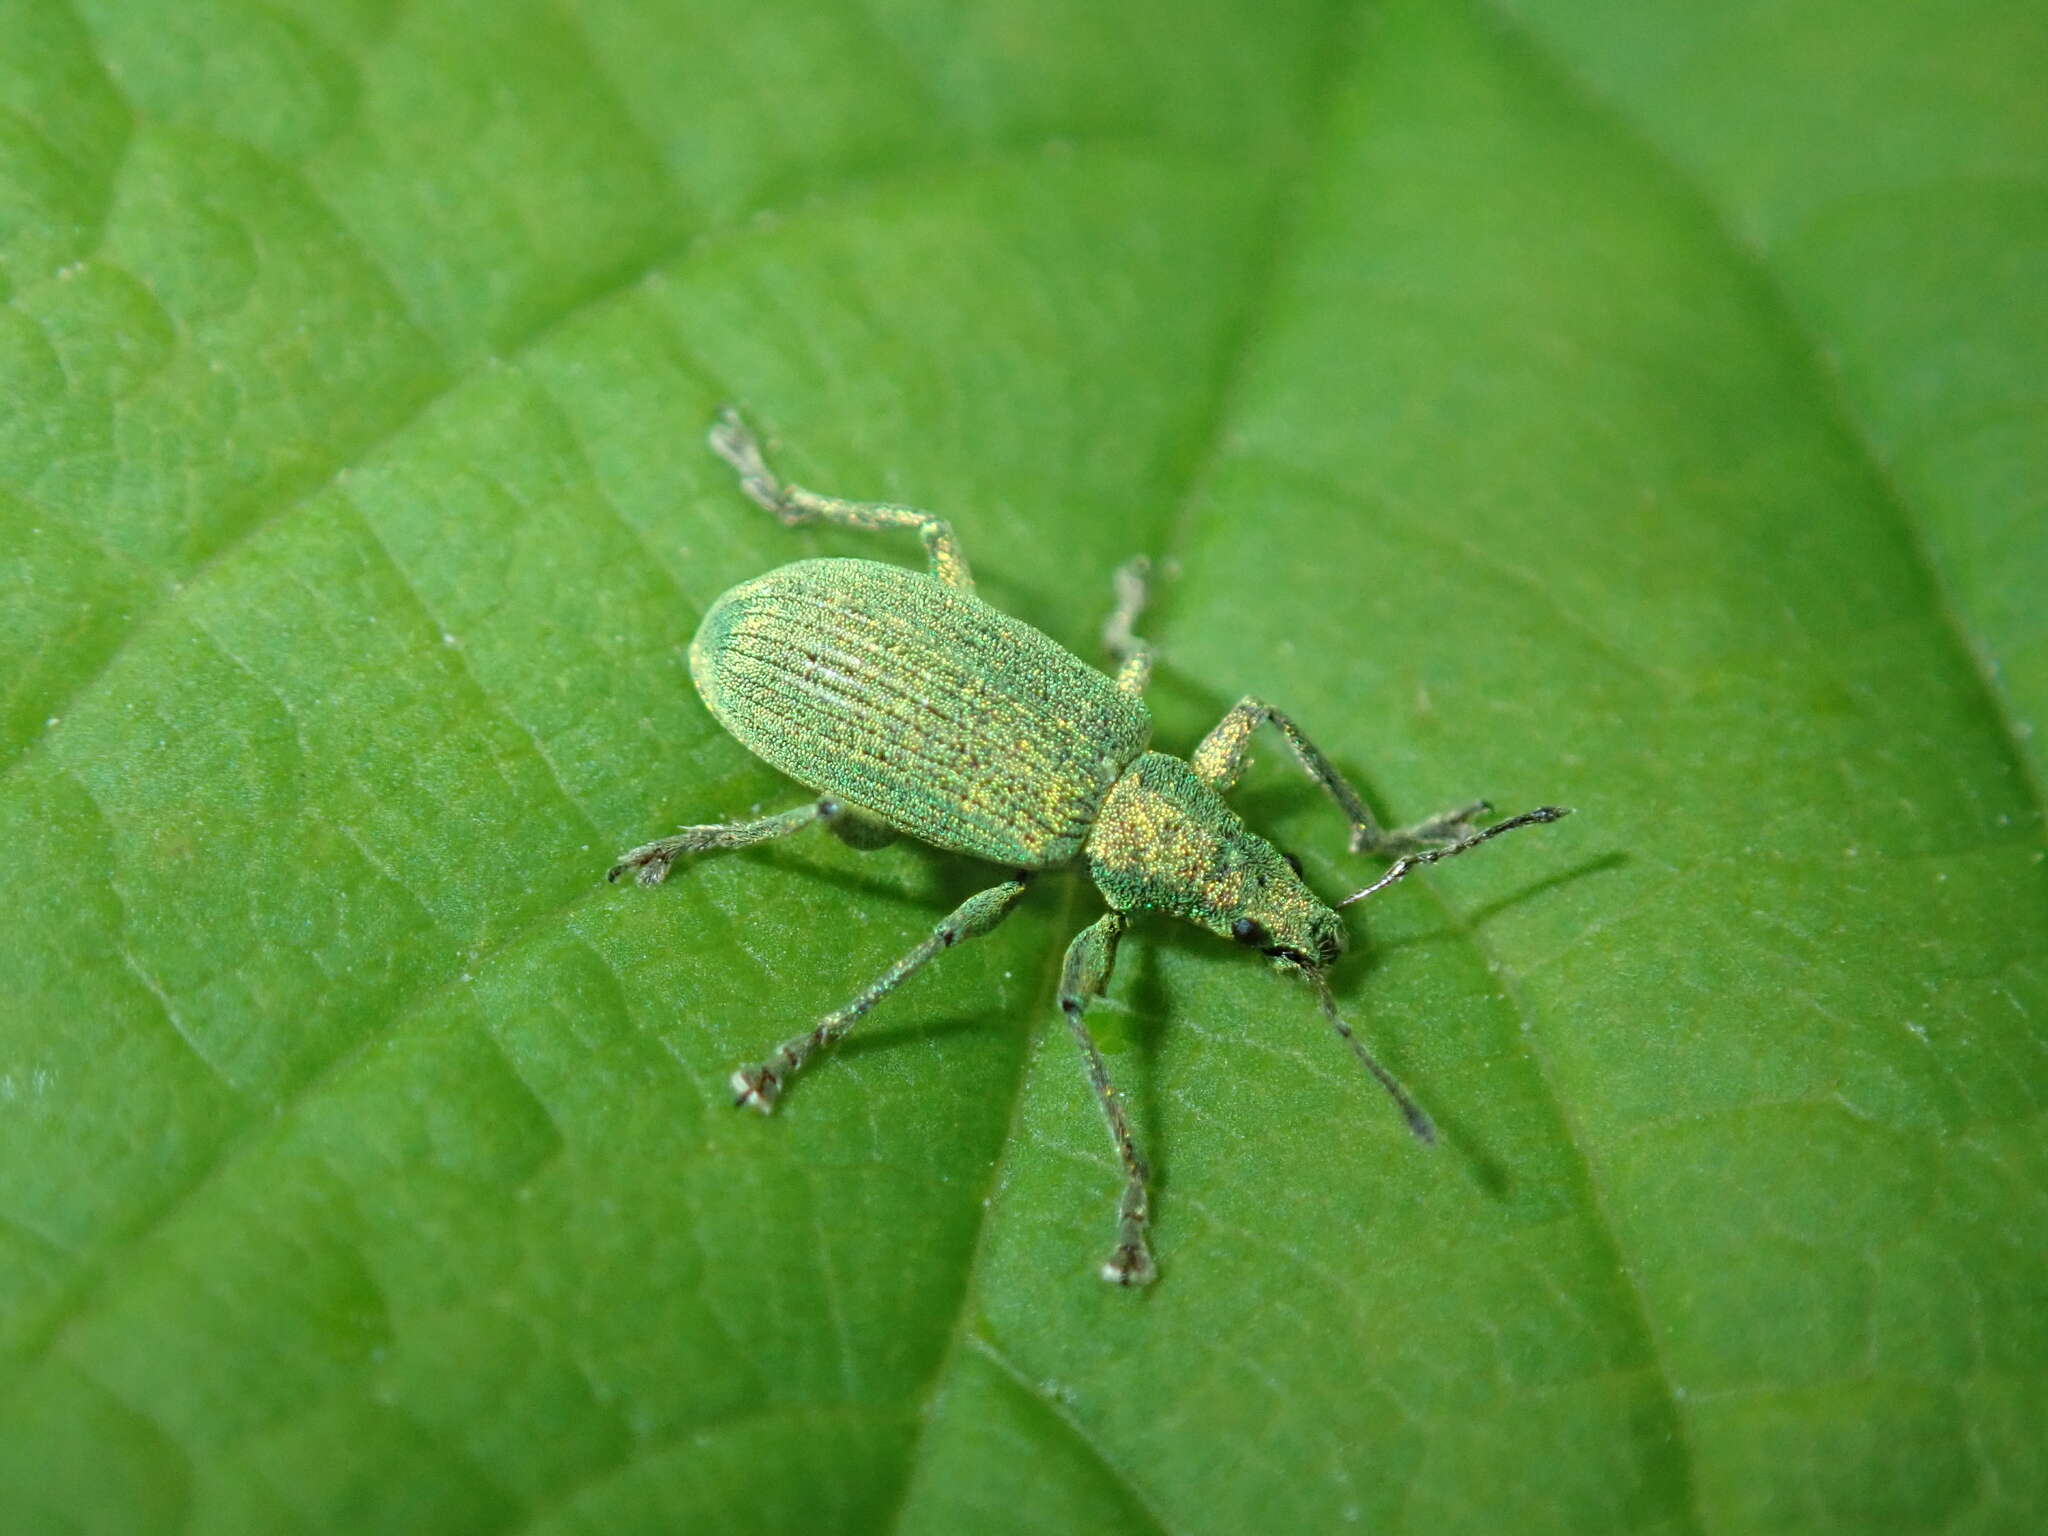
{"type": "Point", "coordinates": [1292, 862]}
{"type": "Point", "coordinates": [1245, 931]}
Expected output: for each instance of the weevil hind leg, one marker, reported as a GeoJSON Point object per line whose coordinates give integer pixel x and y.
{"type": "Point", "coordinates": [649, 863]}
{"type": "Point", "coordinates": [1219, 762]}
{"type": "Point", "coordinates": [760, 1085]}
{"type": "Point", "coordinates": [1090, 959]}
{"type": "Point", "coordinates": [1133, 655]}
{"type": "Point", "coordinates": [733, 441]}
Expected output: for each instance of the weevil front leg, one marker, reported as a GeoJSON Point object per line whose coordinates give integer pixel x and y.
{"type": "Point", "coordinates": [734, 442]}
{"type": "Point", "coordinates": [1090, 959]}
{"type": "Point", "coordinates": [649, 862]}
{"type": "Point", "coordinates": [1220, 759]}
{"type": "Point", "coordinates": [760, 1085]}
{"type": "Point", "coordinates": [1133, 656]}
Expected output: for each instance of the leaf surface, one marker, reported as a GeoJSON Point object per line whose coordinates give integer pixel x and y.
{"type": "Point", "coordinates": [1635, 407]}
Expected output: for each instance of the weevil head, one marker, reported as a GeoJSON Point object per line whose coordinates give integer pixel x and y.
{"type": "Point", "coordinates": [1295, 931]}
{"type": "Point", "coordinates": [1163, 839]}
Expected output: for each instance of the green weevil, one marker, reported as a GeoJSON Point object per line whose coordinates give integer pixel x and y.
{"type": "Point", "coordinates": [914, 708]}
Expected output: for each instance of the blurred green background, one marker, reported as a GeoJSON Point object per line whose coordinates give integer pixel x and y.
{"type": "Point", "coordinates": [1632, 405]}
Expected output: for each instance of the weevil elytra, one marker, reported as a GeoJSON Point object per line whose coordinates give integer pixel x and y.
{"type": "Point", "coordinates": [914, 708]}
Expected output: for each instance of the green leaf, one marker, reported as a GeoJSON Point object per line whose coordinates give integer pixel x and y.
{"type": "Point", "coordinates": [1630, 406]}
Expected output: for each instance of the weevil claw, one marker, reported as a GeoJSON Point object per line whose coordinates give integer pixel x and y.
{"type": "Point", "coordinates": [648, 865]}
{"type": "Point", "coordinates": [756, 1088]}
{"type": "Point", "coordinates": [1131, 1264]}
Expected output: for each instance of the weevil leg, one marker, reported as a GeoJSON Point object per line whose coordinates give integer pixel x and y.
{"type": "Point", "coordinates": [649, 863]}
{"type": "Point", "coordinates": [1089, 960]}
{"type": "Point", "coordinates": [1133, 655]}
{"type": "Point", "coordinates": [733, 441]}
{"type": "Point", "coordinates": [1541, 816]}
{"type": "Point", "coordinates": [1220, 760]}
{"type": "Point", "coordinates": [762, 1084]}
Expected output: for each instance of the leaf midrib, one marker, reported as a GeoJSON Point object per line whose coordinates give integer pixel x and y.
{"type": "Point", "coordinates": [1265, 284]}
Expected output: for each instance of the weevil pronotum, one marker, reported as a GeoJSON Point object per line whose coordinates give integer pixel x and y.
{"type": "Point", "coordinates": [913, 707]}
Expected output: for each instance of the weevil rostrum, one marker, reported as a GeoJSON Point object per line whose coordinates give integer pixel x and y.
{"type": "Point", "coordinates": [913, 708]}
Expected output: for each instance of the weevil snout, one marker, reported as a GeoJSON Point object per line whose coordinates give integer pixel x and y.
{"type": "Point", "coordinates": [1329, 936]}
{"type": "Point", "coordinates": [1328, 948]}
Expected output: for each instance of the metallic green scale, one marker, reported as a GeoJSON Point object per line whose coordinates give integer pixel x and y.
{"type": "Point", "coordinates": [912, 707]}
{"type": "Point", "coordinates": [919, 704]}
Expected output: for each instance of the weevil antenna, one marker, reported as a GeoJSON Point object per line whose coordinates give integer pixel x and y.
{"type": "Point", "coordinates": [1408, 862]}
{"type": "Point", "coordinates": [1418, 1122]}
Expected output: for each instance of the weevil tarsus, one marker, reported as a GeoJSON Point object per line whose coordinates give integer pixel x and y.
{"type": "Point", "coordinates": [733, 441]}
{"type": "Point", "coordinates": [1083, 978]}
{"type": "Point", "coordinates": [649, 863]}
{"type": "Point", "coordinates": [1133, 656]}
{"type": "Point", "coordinates": [759, 1086]}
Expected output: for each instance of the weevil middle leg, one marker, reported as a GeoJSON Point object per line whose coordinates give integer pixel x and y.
{"type": "Point", "coordinates": [760, 1085]}
{"type": "Point", "coordinates": [1090, 959]}
{"type": "Point", "coordinates": [649, 862]}
{"type": "Point", "coordinates": [733, 441]}
{"type": "Point", "coordinates": [1220, 759]}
